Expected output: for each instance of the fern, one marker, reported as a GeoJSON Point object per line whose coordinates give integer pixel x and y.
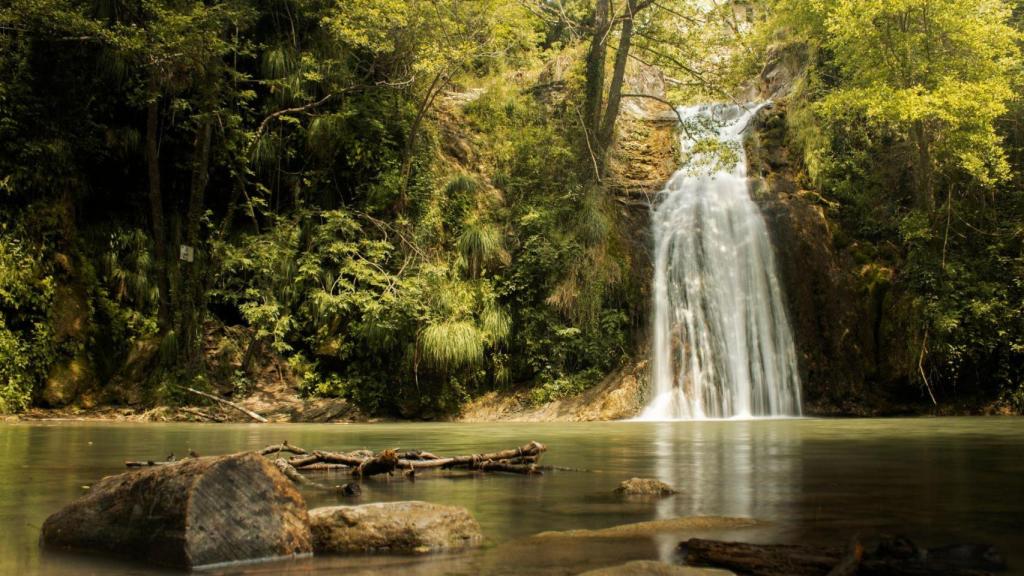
{"type": "Point", "coordinates": [452, 344]}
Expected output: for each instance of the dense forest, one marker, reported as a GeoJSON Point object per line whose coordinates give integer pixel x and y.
{"type": "Point", "coordinates": [407, 203]}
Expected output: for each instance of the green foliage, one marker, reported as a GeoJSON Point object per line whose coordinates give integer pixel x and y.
{"type": "Point", "coordinates": [452, 345]}
{"type": "Point", "coordinates": [564, 386]}
{"type": "Point", "coordinates": [331, 213]}
{"type": "Point", "coordinates": [26, 347]}
{"type": "Point", "coordinates": [904, 116]}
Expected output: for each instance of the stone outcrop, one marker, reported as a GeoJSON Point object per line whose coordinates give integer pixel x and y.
{"type": "Point", "coordinates": [620, 396]}
{"type": "Point", "coordinates": [837, 304]}
{"type": "Point", "coordinates": [417, 527]}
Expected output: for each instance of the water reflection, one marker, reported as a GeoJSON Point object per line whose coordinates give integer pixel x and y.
{"type": "Point", "coordinates": [724, 469]}
{"type": "Point", "coordinates": [938, 480]}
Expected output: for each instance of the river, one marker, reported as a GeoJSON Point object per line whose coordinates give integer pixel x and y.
{"type": "Point", "coordinates": [937, 480]}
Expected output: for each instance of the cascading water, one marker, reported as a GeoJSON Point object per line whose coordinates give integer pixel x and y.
{"type": "Point", "coordinates": [722, 341]}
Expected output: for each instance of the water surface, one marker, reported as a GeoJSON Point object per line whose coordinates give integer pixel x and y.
{"type": "Point", "coordinates": [935, 480]}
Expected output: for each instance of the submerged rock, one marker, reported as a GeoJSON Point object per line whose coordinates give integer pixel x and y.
{"type": "Point", "coordinates": [393, 527]}
{"type": "Point", "coordinates": [645, 487]}
{"type": "Point", "coordinates": [652, 568]}
{"type": "Point", "coordinates": [666, 526]}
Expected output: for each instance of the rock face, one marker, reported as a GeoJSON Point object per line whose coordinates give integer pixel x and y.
{"type": "Point", "coordinates": [835, 306]}
{"type": "Point", "coordinates": [644, 487]}
{"type": "Point", "coordinates": [652, 568]}
{"type": "Point", "coordinates": [621, 395]}
{"type": "Point", "coordinates": [393, 527]}
{"type": "Point", "coordinates": [188, 514]}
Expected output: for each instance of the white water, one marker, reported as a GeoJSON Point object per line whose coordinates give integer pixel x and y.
{"type": "Point", "coordinates": [723, 347]}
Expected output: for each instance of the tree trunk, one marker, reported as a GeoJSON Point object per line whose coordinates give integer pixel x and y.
{"type": "Point", "coordinates": [611, 112]}
{"type": "Point", "coordinates": [192, 310]}
{"type": "Point", "coordinates": [439, 81]}
{"type": "Point", "coordinates": [924, 193]}
{"type": "Point", "coordinates": [156, 206]}
{"type": "Point", "coordinates": [595, 68]}
{"type": "Point", "coordinates": [189, 513]}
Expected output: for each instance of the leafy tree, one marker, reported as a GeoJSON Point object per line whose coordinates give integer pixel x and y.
{"type": "Point", "coordinates": [937, 74]}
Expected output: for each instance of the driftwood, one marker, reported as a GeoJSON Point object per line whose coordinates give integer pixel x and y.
{"type": "Point", "coordinates": [201, 414]}
{"type": "Point", "coordinates": [189, 513]}
{"type": "Point", "coordinates": [531, 450]}
{"type": "Point", "coordinates": [521, 460]}
{"type": "Point", "coordinates": [507, 466]}
{"type": "Point", "coordinates": [365, 463]}
{"type": "Point", "coordinates": [146, 463]}
{"type": "Point", "coordinates": [228, 403]}
{"type": "Point", "coordinates": [283, 447]}
{"type": "Point", "coordinates": [892, 557]}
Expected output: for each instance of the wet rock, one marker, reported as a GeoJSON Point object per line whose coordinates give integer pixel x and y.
{"type": "Point", "coordinates": [620, 395]}
{"type": "Point", "coordinates": [350, 489]}
{"type": "Point", "coordinates": [645, 487]}
{"type": "Point", "coordinates": [685, 524]}
{"type": "Point", "coordinates": [412, 526]}
{"type": "Point", "coordinates": [191, 513]}
{"type": "Point", "coordinates": [652, 568]}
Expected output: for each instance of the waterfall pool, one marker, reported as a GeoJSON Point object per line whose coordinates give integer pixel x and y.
{"type": "Point", "coordinates": [936, 480]}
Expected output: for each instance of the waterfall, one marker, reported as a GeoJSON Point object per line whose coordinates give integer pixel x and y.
{"type": "Point", "coordinates": [722, 343]}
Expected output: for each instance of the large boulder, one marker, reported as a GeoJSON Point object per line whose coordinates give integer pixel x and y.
{"type": "Point", "coordinates": [393, 527]}
{"type": "Point", "coordinates": [644, 487]}
{"type": "Point", "coordinates": [188, 514]}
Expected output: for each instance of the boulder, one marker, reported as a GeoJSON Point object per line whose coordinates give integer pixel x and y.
{"type": "Point", "coordinates": [645, 487]}
{"type": "Point", "coordinates": [393, 527]}
{"type": "Point", "coordinates": [187, 514]}
{"type": "Point", "coordinates": [652, 568]}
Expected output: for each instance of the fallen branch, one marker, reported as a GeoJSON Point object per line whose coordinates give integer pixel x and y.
{"type": "Point", "coordinates": [145, 463]}
{"type": "Point", "coordinates": [246, 411]}
{"type": "Point", "coordinates": [506, 466]}
{"type": "Point", "coordinates": [282, 447]}
{"type": "Point", "coordinates": [531, 450]}
{"type": "Point", "coordinates": [292, 474]}
{"type": "Point", "coordinates": [366, 464]}
{"type": "Point", "coordinates": [201, 414]}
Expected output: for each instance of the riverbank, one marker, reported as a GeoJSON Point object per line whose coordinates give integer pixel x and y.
{"type": "Point", "coordinates": [620, 396]}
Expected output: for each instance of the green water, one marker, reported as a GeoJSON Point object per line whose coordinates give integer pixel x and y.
{"type": "Point", "coordinates": [935, 480]}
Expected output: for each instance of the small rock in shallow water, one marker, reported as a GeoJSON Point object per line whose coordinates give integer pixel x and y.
{"type": "Point", "coordinates": [350, 489]}
{"type": "Point", "coordinates": [393, 527]}
{"type": "Point", "coordinates": [652, 568]}
{"type": "Point", "coordinates": [686, 524]}
{"type": "Point", "coordinates": [645, 487]}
